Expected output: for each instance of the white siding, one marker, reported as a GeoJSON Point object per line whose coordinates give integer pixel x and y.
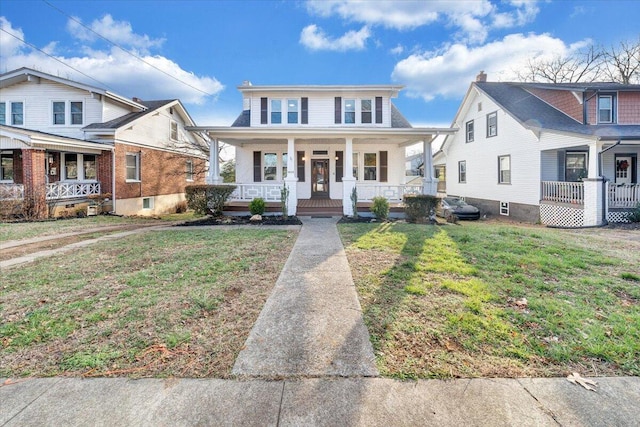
{"type": "Point", "coordinates": [481, 157]}
{"type": "Point", "coordinates": [321, 108]}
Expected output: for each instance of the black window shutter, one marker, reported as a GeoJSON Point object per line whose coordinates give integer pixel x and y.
{"type": "Point", "coordinates": [338, 117]}
{"type": "Point", "coordinates": [300, 161]}
{"type": "Point", "coordinates": [378, 109]}
{"type": "Point", "coordinates": [305, 111]}
{"type": "Point", "coordinates": [383, 166]}
{"type": "Point", "coordinates": [257, 166]}
{"type": "Point", "coordinates": [263, 111]}
{"type": "Point", "coordinates": [339, 165]}
{"type": "Point", "coordinates": [634, 170]}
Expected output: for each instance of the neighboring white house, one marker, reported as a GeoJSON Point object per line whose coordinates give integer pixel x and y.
{"type": "Point", "coordinates": [62, 142]}
{"type": "Point", "coordinates": [321, 142]}
{"type": "Point", "coordinates": [562, 154]}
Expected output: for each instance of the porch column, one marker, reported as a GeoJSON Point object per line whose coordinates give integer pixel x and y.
{"type": "Point", "coordinates": [291, 181]}
{"type": "Point", "coordinates": [348, 180]}
{"type": "Point", "coordinates": [593, 189]}
{"type": "Point", "coordinates": [34, 180]}
{"type": "Point", "coordinates": [214, 163]}
{"type": "Point", "coordinates": [429, 183]}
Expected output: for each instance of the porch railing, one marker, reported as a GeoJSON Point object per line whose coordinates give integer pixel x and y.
{"type": "Point", "coordinates": [248, 192]}
{"type": "Point", "coordinates": [393, 193]}
{"type": "Point", "coordinates": [563, 192]}
{"type": "Point", "coordinates": [624, 196]}
{"type": "Point", "coordinates": [69, 190]}
{"type": "Point", "coordinates": [10, 191]}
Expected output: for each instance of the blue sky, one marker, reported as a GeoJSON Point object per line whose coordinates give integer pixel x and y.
{"type": "Point", "coordinates": [433, 48]}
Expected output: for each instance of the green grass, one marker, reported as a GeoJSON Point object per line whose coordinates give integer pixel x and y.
{"type": "Point", "coordinates": [448, 301]}
{"type": "Point", "coordinates": [160, 303]}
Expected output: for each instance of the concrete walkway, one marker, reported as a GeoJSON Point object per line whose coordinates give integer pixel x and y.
{"type": "Point", "coordinates": [311, 324]}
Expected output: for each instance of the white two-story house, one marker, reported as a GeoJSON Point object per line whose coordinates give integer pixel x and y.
{"type": "Point", "coordinates": [321, 142]}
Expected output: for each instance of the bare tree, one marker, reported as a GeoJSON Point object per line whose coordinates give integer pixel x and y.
{"type": "Point", "coordinates": [622, 63]}
{"type": "Point", "coordinates": [579, 67]}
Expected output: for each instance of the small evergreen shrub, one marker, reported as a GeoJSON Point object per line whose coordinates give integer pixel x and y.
{"type": "Point", "coordinates": [419, 208]}
{"type": "Point", "coordinates": [354, 201]}
{"type": "Point", "coordinates": [634, 216]}
{"type": "Point", "coordinates": [284, 198]}
{"type": "Point", "coordinates": [257, 206]}
{"type": "Point", "coordinates": [208, 199]}
{"type": "Point", "coordinates": [380, 208]}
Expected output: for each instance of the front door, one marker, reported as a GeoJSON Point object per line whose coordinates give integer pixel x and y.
{"type": "Point", "coordinates": [623, 170]}
{"type": "Point", "coordinates": [320, 178]}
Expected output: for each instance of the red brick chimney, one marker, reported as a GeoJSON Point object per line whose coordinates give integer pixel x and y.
{"type": "Point", "coordinates": [481, 77]}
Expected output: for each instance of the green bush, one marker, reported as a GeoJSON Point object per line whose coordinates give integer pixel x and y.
{"type": "Point", "coordinates": [284, 198]}
{"type": "Point", "coordinates": [380, 208]}
{"type": "Point", "coordinates": [419, 207]}
{"type": "Point", "coordinates": [208, 199]}
{"type": "Point", "coordinates": [257, 206]}
{"type": "Point", "coordinates": [634, 216]}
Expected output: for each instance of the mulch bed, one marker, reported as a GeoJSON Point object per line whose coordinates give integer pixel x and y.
{"type": "Point", "coordinates": [242, 220]}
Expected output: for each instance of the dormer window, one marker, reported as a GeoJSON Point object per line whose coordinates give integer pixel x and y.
{"type": "Point", "coordinates": [606, 105]}
{"type": "Point", "coordinates": [276, 111]}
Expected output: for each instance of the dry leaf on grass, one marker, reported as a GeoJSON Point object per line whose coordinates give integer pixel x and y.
{"type": "Point", "coordinates": [575, 378]}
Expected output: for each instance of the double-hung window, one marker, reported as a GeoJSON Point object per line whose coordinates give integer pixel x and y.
{"type": "Point", "coordinates": [76, 113]}
{"type": "Point", "coordinates": [462, 171]}
{"type": "Point", "coordinates": [3, 113]}
{"type": "Point", "coordinates": [276, 111]}
{"type": "Point", "coordinates": [469, 131]}
{"type": "Point", "coordinates": [17, 113]}
{"type": "Point", "coordinates": [504, 169]}
{"type": "Point", "coordinates": [174, 131]}
{"type": "Point", "coordinates": [59, 113]}
{"type": "Point", "coordinates": [132, 163]}
{"type": "Point", "coordinates": [89, 166]}
{"type": "Point", "coordinates": [292, 111]}
{"type": "Point", "coordinates": [355, 166]}
{"type": "Point", "coordinates": [575, 166]}
{"type": "Point", "coordinates": [492, 124]}
{"type": "Point", "coordinates": [606, 109]}
{"type": "Point", "coordinates": [365, 113]}
{"type": "Point", "coordinates": [349, 111]}
{"type": "Point", "coordinates": [6, 166]}
{"type": "Point", "coordinates": [370, 166]}
{"type": "Point", "coordinates": [189, 170]}
{"type": "Point", "coordinates": [270, 167]}
{"type": "Point", "coordinates": [70, 166]}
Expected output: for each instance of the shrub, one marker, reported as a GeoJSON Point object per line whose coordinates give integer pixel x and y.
{"type": "Point", "coordinates": [634, 216]}
{"type": "Point", "coordinates": [10, 209]}
{"type": "Point", "coordinates": [284, 198]}
{"type": "Point", "coordinates": [380, 208]}
{"type": "Point", "coordinates": [257, 206]}
{"type": "Point", "coordinates": [181, 206]}
{"type": "Point", "coordinates": [208, 199]}
{"type": "Point", "coordinates": [354, 201]}
{"type": "Point", "coordinates": [419, 208]}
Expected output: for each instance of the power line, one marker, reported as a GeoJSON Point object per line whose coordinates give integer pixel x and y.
{"type": "Point", "coordinates": [123, 49]}
{"type": "Point", "coordinates": [56, 59]}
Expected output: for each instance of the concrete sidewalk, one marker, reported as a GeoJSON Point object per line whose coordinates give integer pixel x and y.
{"type": "Point", "coordinates": [311, 324]}
{"type": "Point", "coordinates": [322, 402]}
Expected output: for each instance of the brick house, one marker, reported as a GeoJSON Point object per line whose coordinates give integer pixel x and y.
{"type": "Point", "coordinates": [63, 142]}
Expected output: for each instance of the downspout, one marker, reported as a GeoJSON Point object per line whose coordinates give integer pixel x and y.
{"type": "Point", "coordinates": [605, 195]}
{"type": "Point", "coordinates": [113, 179]}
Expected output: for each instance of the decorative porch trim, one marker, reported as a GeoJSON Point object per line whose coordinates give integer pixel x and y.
{"type": "Point", "coordinates": [70, 190]}
{"type": "Point", "coordinates": [393, 193]}
{"type": "Point", "coordinates": [248, 192]}
{"type": "Point", "coordinates": [9, 191]}
{"type": "Point", "coordinates": [557, 215]}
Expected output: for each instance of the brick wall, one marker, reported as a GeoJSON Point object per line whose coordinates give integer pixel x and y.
{"type": "Point", "coordinates": [104, 172]}
{"type": "Point", "coordinates": [161, 172]}
{"type": "Point", "coordinates": [629, 108]}
{"type": "Point", "coordinates": [18, 174]}
{"type": "Point", "coordinates": [592, 105]}
{"type": "Point", "coordinates": [33, 178]}
{"type": "Point", "coordinates": [562, 100]}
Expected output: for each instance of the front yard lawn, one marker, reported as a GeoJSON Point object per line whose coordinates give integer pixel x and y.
{"type": "Point", "coordinates": [495, 300]}
{"type": "Point", "coordinates": [161, 303]}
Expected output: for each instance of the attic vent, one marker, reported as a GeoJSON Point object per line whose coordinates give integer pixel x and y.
{"type": "Point", "coordinates": [504, 208]}
{"type": "Point", "coordinates": [479, 106]}
{"type": "Point", "coordinates": [320, 152]}
{"type": "Point", "coordinates": [170, 110]}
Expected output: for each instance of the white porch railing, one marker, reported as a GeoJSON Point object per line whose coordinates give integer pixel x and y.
{"type": "Point", "coordinates": [69, 190]}
{"type": "Point", "coordinates": [10, 191]}
{"type": "Point", "coordinates": [623, 196]}
{"type": "Point", "coordinates": [392, 193]}
{"type": "Point", "coordinates": [248, 192]}
{"type": "Point", "coordinates": [563, 192]}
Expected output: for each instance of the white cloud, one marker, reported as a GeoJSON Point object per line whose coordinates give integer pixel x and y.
{"type": "Point", "coordinates": [314, 38]}
{"type": "Point", "coordinates": [119, 32]}
{"type": "Point", "coordinates": [114, 69]}
{"type": "Point", "coordinates": [447, 73]}
{"type": "Point", "coordinates": [9, 44]}
{"type": "Point", "coordinates": [397, 50]}
{"type": "Point", "coordinates": [473, 19]}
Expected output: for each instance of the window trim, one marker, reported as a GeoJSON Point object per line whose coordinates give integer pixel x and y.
{"type": "Point", "coordinates": [172, 136]}
{"type": "Point", "coordinates": [150, 201]}
{"type": "Point", "coordinates": [53, 112]}
{"type": "Point", "coordinates": [612, 111]}
{"type": "Point", "coordinates": [346, 112]}
{"type": "Point", "coordinates": [7, 154]}
{"type": "Point", "coordinates": [500, 170]}
{"type": "Point", "coordinates": [369, 111]}
{"type": "Point", "coordinates": [469, 135]}
{"type": "Point", "coordinates": [3, 121]}
{"type": "Point", "coordinates": [296, 112]}
{"type": "Point", "coordinates": [137, 167]}
{"type": "Point", "coordinates": [462, 163]}
{"type": "Point", "coordinates": [377, 166]}
{"type": "Point", "coordinates": [585, 154]}
{"type": "Point", "coordinates": [272, 112]}
{"type": "Point", "coordinates": [71, 113]}
{"type": "Point", "coordinates": [189, 170]}
{"type": "Point", "coordinates": [489, 116]}
{"type": "Point", "coordinates": [12, 114]}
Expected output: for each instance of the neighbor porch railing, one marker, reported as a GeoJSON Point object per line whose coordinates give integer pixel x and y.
{"type": "Point", "coordinates": [563, 192]}
{"type": "Point", "coordinates": [248, 192]}
{"type": "Point", "coordinates": [623, 196]}
{"type": "Point", "coordinates": [392, 193]}
{"type": "Point", "coordinates": [10, 191]}
{"type": "Point", "coordinates": [70, 190]}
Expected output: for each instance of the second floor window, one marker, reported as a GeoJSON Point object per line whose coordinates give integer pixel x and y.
{"type": "Point", "coordinates": [349, 110]}
{"type": "Point", "coordinates": [59, 113]}
{"type": "Point", "coordinates": [276, 111]}
{"type": "Point", "coordinates": [605, 109]}
{"type": "Point", "coordinates": [76, 113]}
{"type": "Point", "coordinates": [17, 113]}
{"type": "Point", "coordinates": [3, 113]}
{"type": "Point", "coordinates": [492, 124]}
{"type": "Point", "coordinates": [469, 130]}
{"type": "Point", "coordinates": [174, 130]}
{"type": "Point", "coordinates": [292, 111]}
{"type": "Point", "coordinates": [365, 105]}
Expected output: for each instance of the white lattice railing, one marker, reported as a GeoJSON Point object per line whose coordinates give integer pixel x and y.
{"type": "Point", "coordinates": [563, 192]}
{"type": "Point", "coordinates": [10, 191]}
{"type": "Point", "coordinates": [69, 190]}
{"type": "Point", "coordinates": [624, 196]}
{"type": "Point", "coordinates": [393, 193]}
{"type": "Point", "coordinates": [248, 192]}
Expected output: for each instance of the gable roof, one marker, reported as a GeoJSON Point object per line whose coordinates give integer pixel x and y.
{"type": "Point", "coordinates": [27, 74]}
{"type": "Point", "coordinates": [118, 122]}
{"type": "Point", "coordinates": [535, 114]}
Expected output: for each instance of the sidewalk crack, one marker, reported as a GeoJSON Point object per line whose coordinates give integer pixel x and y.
{"type": "Point", "coordinates": [280, 406]}
{"type": "Point", "coordinates": [31, 402]}
{"type": "Point", "coordinates": [540, 405]}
